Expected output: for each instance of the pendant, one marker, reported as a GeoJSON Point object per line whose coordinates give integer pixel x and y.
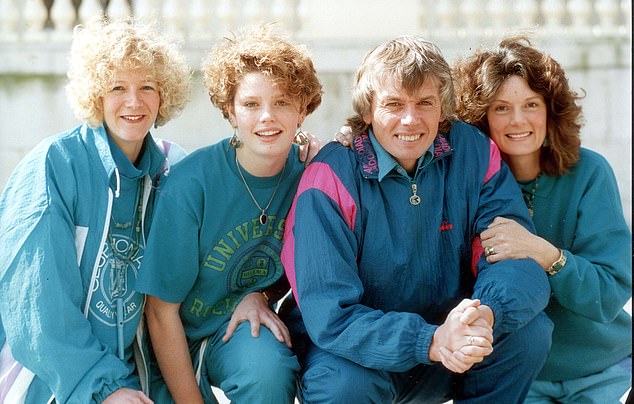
{"type": "Point", "coordinates": [414, 199]}
{"type": "Point", "coordinates": [530, 212]}
{"type": "Point", "coordinates": [263, 219]}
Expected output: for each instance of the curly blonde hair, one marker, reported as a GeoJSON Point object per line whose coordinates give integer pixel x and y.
{"type": "Point", "coordinates": [479, 77]}
{"type": "Point", "coordinates": [101, 49]}
{"type": "Point", "coordinates": [258, 49]}
{"type": "Point", "coordinates": [410, 60]}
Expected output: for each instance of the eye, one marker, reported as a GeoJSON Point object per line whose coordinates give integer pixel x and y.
{"type": "Point", "coordinates": [501, 108]}
{"type": "Point", "coordinates": [533, 104]}
{"type": "Point", "coordinates": [282, 103]}
{"type": "Point", "coordinates": [116, 88]}
{"type": "Point", "coordinates": [148, 87]}
{"type": "Point", "coordinates": [250, 104]}
{"type": "Point", "coordinates": [426, 103]}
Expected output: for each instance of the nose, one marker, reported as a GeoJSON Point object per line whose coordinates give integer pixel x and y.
{"type": "Point", "coordinates": [409, 115]}
{"type": "Point", "coordinates": [517, 116]}
{"type": "Point", "coordinates": [133, 98]}
{"type": "Point", "coordinates": [266, 114]}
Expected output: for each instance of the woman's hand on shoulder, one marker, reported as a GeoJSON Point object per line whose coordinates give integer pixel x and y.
{"type": "Point", "coordinates": [310, 148]}
{"type": "Point", "coordinates": [255, 309]}
{"type": "Point", "coordinates": [344, 136]}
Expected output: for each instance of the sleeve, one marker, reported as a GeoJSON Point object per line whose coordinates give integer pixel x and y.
{"type": "Point", "coordinates": [515, 289]}
{"type": "Point", "coordinates": [170, 265]}
{"type": "Point", "coordinates": [596, 281]}
{"type": "Point", "coordinates": [42, 291]}
{"type": "Point", "coordinates": [319, 255]}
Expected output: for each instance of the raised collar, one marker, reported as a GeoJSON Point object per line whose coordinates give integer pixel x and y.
{"type": "Point", "coordinates": [377, 163]}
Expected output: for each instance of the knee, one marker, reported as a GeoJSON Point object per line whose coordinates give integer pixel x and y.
{"type": "Point", "coordinates": [532, 342]}
{"type": "Point", "coordinates": [344, 382]}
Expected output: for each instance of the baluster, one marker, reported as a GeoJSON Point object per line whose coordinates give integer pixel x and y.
{"type": "Point", "coordinates": [626, 10]}
{"type": "Point", "coordinates": [9, 19]}
{"type": "Point", "coordinates": [580, 13]}
{"type": "Point", "coordinates": [607, 13]}
{"type": "Point", "coordinates": [90, 9]}
{"type": "Point", "coordinates": [553, 12]}
{"type": "Point", "coordinates": [173, 18]}
{"type": "Point", "coordinates": [200, 17]}
{"type": "Point", "coordinates": [63, 15]}
{"type": "Point", "coordinates": [119, 10]}
{"type": "Point", "coordinates": [226, 16]}
{"type": "Point", "coordinates": [526, 12]}
{"type": "Point", "coordinates": [445, 17]}
{"type": "Point", "coordinates": [252, 12]}
{"type": "Point", "coordinates": [282, 12]}
{"type": "Point", "coordinates": [471, 11]}
{"type": "Point", "coordinates": [34, 18]}
{"type": "Point", "coordinates": [302, 17]}
{"type": "Point", "coordinates": [497, 10]}
{"type": "Point", "coordinates": [146, 10]}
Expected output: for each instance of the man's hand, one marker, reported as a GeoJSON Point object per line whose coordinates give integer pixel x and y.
{"type": "Point", "coordinates": [465, 338]}
{"type": "Point", "coordinates": [254, 308]}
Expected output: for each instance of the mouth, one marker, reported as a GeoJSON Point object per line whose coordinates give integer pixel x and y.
{"type": "Point", "coordinates": [268, 133]}
{"type": "Point", "coordinates": [518, 135]}
{"type": "Point", "coordinates": [132, 118]}
{"type": "Point", "coordinates": [409, 138]}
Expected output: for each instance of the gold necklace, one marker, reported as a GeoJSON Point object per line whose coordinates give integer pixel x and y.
{"type": "Point", "coordinates": [263, 217]}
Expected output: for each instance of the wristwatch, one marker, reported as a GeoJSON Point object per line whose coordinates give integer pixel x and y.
{"type": "Point", "coordinates": [557, 265]}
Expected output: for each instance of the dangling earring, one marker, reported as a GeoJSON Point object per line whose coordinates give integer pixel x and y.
{"type": "Point", "coordinates": [235, 141]}
{"type": "Point", "coordinates": [300, 138]}
{"type": "Point", "coordinates": [546, 142]}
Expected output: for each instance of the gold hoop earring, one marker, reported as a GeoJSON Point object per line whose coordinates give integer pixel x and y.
{"type": "Point", "coordinates": [300, 138]}
{"type": "Point", "coordinates": [235, 140]}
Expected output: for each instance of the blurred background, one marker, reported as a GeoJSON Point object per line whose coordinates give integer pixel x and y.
{"type": "Point", "coordinates": [590, 38]}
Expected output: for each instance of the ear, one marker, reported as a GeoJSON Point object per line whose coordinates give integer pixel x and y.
{"type": "Point", "coordinates": [300, 118]}
{"type": "Point", "coordinates": [231, 117]}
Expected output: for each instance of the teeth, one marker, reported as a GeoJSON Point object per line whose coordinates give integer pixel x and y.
{"type": "Point", "coordinates": [133, 117]}
{"type": "Point", "coordinates": [268, 133]}
{"type": "Point", "coordinates": [518, 135]}
{"type": "Point", "coordinates": [409, 138]}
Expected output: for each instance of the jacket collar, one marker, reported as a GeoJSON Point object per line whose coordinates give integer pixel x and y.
{"type": "Point", "coordinates": [377, 165]}
{"type": "Point", "coordinates": [99, 138]}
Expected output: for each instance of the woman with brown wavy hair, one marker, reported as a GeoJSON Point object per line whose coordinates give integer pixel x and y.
{"type": "Point", "coordinates": [520, 96]}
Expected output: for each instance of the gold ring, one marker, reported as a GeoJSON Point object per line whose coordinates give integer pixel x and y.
{"type": "Point", "coordinates": [489, 251]}
{"type": "Point", "coordinates": [470, 339]}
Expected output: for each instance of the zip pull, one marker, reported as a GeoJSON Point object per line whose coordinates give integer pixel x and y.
{"type": "Point", "coordinates": [414, 199]}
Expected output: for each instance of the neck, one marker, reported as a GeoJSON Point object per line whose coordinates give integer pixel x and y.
{"type": "Point", "coordinates": [260, 166]}
{"type": "Point", "coordinates": [524, 168]}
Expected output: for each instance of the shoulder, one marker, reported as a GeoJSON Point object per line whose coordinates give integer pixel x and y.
{"type": "Point", "coordinates": [463, 134]}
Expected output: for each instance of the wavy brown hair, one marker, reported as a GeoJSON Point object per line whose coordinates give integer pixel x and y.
{"type": "Point", "coordinates": [258, 49]}
{"type": "Point", "coordinates": [479, 76]}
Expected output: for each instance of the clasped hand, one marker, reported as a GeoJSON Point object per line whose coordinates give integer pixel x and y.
{"type": "Point", "coordinates": [465, 338]}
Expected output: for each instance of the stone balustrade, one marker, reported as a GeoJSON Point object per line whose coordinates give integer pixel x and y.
{"type": "Point", "coordinates": [43, 20]}
{"type": "Point", "coordinates": [590, 38]}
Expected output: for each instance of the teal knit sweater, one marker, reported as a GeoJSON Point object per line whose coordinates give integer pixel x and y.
{"type": "Point", "coordinates": [581, 213]}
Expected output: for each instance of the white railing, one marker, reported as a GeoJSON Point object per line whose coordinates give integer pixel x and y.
{"type": "Point", "coordinates": [42, 20]}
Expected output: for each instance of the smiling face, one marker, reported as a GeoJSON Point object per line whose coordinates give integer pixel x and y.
{"type": "Point", "coordinates": [517, 120]}
{"type": "Point", "coordinates": [267, 119]}
{"type": "Point", "coordinates": [130, 107]}
{"type": "Point", "coordinates": [405, 124]}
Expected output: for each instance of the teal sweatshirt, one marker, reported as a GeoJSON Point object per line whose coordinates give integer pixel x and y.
{"type": "Point", "coordinates": [581, 213]}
